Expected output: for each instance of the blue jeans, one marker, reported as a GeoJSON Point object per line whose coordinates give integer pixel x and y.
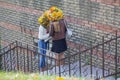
{"type": "Point", "coordinates": [42, 50]}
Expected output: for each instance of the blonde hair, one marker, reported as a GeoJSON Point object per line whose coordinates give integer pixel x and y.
{"type": "Point", "coordinates": [56, 26]}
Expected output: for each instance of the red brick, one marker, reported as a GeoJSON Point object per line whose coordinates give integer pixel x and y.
{"type": "Point", "coordinates": [72, 19]}
{"type": "Point", "coordinates": [88, 25]}
{"type": "Point", "coordinates": [99, 54]}
{"type": "Point", "coordinates": [35, 34]}
{"type": "Point", "coordinates": [68, 18]}
{"type": "Point", "coordinates": [19, 8]}
{"type": "Point", "coordinates": [4, 43]}
{"type": "Point", "coordinates": [85, 22]}
{"type": "Point", "coordinates": [109, 1]}
{"type": "Point", "coordinates": [17, 28]}
{"type": "Point", "coordinates": [99, 0]}
{"type": "Point", "coordinates": [10, 26]}
{"type": "Point", "coordinates": [107, 56]}
{"type": "Point", "coordinates": [93, 0]}
{"type": "Point", "coordinates": [92, 24]}
{"type": "Point", "coordinates": [117, 2]}
{"type": "Point", "coordinates": [80, 22]}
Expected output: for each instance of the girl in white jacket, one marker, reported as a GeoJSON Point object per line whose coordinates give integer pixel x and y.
{"type": "Point", "coordinates": [43, 35]}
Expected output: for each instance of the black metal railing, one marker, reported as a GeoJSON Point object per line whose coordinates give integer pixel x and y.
{"type": "Point", "coordinates": [19, 56]}
{"type": "Point", "coordinates": [99, 61]}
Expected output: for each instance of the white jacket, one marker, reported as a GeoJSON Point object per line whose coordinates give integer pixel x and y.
{"type": "Point", "coordinates": [43, 33]}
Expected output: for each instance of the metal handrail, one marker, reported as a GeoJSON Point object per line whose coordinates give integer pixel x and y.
{"type": "Point", "coordinates": [90, 48]}
{"type": "Point", "coordinates": [19, 44]}
{"type": "Point", "coordinates": [26, 48]}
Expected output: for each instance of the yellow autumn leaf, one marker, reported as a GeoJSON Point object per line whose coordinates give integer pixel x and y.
{"type": "Point", "coordinates": [60, 78]}
{"type": "Point", "coordinates": [53, 8]}
{"type": "Point", "coordinates": [55, 14]}
{"type": "Point", "coordinates": [43, 20]}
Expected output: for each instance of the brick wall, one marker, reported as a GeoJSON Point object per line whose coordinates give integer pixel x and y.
{"type": "Point", "coordinates": [89, 19]}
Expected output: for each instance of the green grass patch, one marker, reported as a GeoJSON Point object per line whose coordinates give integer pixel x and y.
{"type": "Point", "coordinates": [23, 76]}
{"type": "Point", "coordinates": [32, 76]}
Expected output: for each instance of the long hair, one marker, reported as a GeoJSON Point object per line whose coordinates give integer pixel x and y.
{"type": "Point", "coordinates": [56, 26]}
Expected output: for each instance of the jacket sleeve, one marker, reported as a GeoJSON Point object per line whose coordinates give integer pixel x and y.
{"type": "Point", "coordinates": [41, 35]}
{"type": "Point", "coordinates": [65, 22]}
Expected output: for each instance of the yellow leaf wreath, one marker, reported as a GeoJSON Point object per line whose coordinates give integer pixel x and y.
{"type": "Point", "coordinates": [43, 20]}
{"type": "Point", "coordinates": [53, 14]}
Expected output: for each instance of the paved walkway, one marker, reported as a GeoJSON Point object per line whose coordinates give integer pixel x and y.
{"type": "Point", "coordinates": [75, 71]}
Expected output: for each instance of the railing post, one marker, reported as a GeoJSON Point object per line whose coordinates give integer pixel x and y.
{"type": "Point", "coordinates": [0, 41]}
{"type": "Point", "coordinates": [91, 52]}
{"type": "Point", "coordinates": [4, 56]}
{"type": "Point", "coordinates": [103, 59]}
{"type": "Point", "coordinates": [27, 59]}
{"type": "Point", "coordinates": [116, 57]}
{"type": "Point", "coordinates": [24, 55]}
{"type": "Point", "coordinates": [69, 66]}
{"type": "Point", "coordinates": [17, 55]}
{"type": "Point", "coordinates": [0, 53]}
{"type": "Point", "coordinates": [0, 61]}
{"type": "Point", "coordinates": [38, 54]}
{"type": "Point", "coordinates": [11, 57]}
{"type": "Point", "coordinates": [80, 62]}
{"type": "Point", "coordinates": [59, 65]}
{"type": "Point", "coordinates": [31, 57]}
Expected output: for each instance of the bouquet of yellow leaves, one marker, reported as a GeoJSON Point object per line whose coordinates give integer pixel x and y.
{"type": "Point", "coordinates": [43, 20]}
{"type": "Point", "coordinates": [55, 14]}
